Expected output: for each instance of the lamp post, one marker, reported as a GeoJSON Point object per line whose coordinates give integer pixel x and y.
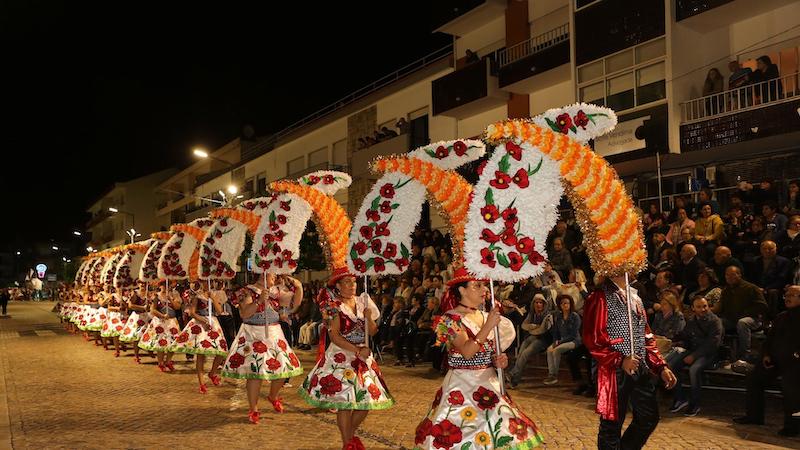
{"type": "Point", "coordinates": [232, 189]}
{"type": "Point", "coordinates": [133, 234]}
{"type": "Point", "coordinates": [133, 218]}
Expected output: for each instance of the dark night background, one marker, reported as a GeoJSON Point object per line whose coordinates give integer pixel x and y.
{"type": "Point", "coordinates": [98, 93]}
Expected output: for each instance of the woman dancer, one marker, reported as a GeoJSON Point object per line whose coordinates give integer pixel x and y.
{"type": "Point", "coordinates": [138, 305]}
{"type": "Point", "coordinates": [163, 327]}
{"type": "Point", "coordinates": [112, 327]}
{"type": "Point", "coordinates": [260, 350]}
{"type": "Point", "coordinates": [469, 407]}
{"type": "Point", "coordinates": [347, 377]}
{"type": "Point", "coordinates": [203, 336]}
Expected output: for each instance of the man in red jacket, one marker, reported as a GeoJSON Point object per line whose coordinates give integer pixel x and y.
{"type": "Point", "coordinates": [623, 375]}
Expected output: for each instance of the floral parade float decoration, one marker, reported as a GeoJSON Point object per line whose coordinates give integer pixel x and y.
{"type": "Point", "coordinates": [127, 270]}
{"type": "Point", "coordinates": [109, 268]}
{"type": "Point", "coordinates": [148, 271]}
{"type": "Point", "coordinates": [180, 258]}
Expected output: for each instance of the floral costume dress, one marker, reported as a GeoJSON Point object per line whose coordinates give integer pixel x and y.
{"type": "Point", "coordinates": [115, 320]}
{"type": "Point", "coordinates": [137, 322]}
{"type": "Point", "coordinates": [342, 380]}
{"type": "Point", "coordinates": [260, 350]}
{"type": "Point", "coordinates": [159, 334]}
{"type": "Point", "coordinates": [468, 411]}
{"type": "Point", "coordinates": [93, 315]}
{"type": "Point", "coordinates": [197, 339]}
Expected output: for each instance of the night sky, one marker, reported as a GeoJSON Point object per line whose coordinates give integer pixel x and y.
{"type": "Point", "coordinates": [94, 94]}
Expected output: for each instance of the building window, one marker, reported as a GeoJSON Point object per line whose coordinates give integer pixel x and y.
{"type": "Point", "coordinates": [318, 158]}
{"type": "Point", "coordinates": [261, 184]}
{"type": "Point", "coordinates": [295, 166]}
{"type": "Point", "coordinates": [625, 80]}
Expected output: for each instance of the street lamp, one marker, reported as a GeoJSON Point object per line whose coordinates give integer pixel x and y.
{"type": "Point", "coordinates": [54, 248]}
{"type": "Point", "coordinates": [89, 249]}
{"type": "Point", "coordinates": [76, 233]}
{"type": "Point", "coordinates": [133, 218]}
{"type": "Point", "coordinates": [202, 154]}
{"type": "Point", "coordinates": [133, 234]}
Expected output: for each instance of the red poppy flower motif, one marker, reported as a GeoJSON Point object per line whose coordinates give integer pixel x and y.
{"type": "Point", "coordinates": [510, 217]}
{"type": "Point", "coordinates": [282, 345]}
{"type": "Point", "coordinates": [213, 334]}
{"type": "Point", "coordinates": [173, 331]}
{"type": "Point", "coordinates": [387, 190]}
{"type": "Point", "coordinates": [521, 178]}
{"type": "Point", "coordinates": [281, 219]}
{"type": "Point", "coordinates": [401, 263]}
{"type": "Point", "coordinates": [330, 385]}
{"type": "Point", "coordinates": [373, 215]}
{"type": "Point", "coordinates": [489, 236]}
{"type": "Point", "coordinates": [114, 320]}
{"type": "Point", "coordinates": [501, 180]}
{"type": "Point", "coordinates": [509, 237]}
{"type": "Point", "coordinates": [581, 119]}
{"type": "Point", "coordinates": [376, 246]}
{"type": "Point", "coordinates": [140, 323]}
{"type": "Point", "coordinates": [313, 179]}
{"type": "Point", "coordinates": [487, 257]}
{"type": "Point", "coordinates": [127, 330]}
{"type": "Point", "coordinates": [273, 364]}
{"type": "Point", "coordinates": [259, 347]}
{"type": "Point", "coordinates": [564, 123]}
{"type": "Point", "coordinates": [386, 207]}
{"type": "Point", "coordinates": [481, 166]}
{"type": "Point", "coordinates": [118, 328]}
{"type": "Point", "coordinates": [382, 229]}
{"type": "Point", "coordinates": [223, 345]}
{"type": "Point", "coordinates": [327, 179]}
{"type": "Point", "coordinates": [456, 398]}
{"type": "Point", "coordinates": [293, 360]}
{"type": "Point", "coordinates": [442, 152]}
{"type": "Point", "coordinates": [279, 235]}
{"type": "Point", "coordinates": [515, 261]}
{"type": "Point", "coordinates": [360, 265]}
{"type": "Point", "coordinates": [490, 213]}
{"type": "Point", "coordinates": [366, 232]}
{"type": "Point", "coordinates": [273, 226]}
{"type": "Point", "coordinates": [182, 338]}
{"type": "Point", "coordinates": [518, 428]}
{"type": "Point", "coordinates": [535, 257]}
{"type": "Point", "coordinates": [236, 360]}
{"type": "Point", "coordinates": [241, 340]}
{"type": "Point", "coordinates": [437, 399]}
{"type": "Point", "coordinates": [205, 344]}
{"type": "Point", "coordinates": [195, 329]}
{"type": "Point", "coordinates": [525, 245]}
{"type": "Point", "coordinates": [314, 381]}
{"type": "Point", "coordinates": [285, 206]}
{"type": "Point", "coordinates": [423, 431]}
{"type": "Point", "coordinates": [379, 264]}
{"type": "Point", "coordinates": [287, 254]}
{"type": "Point", "coordinates": [360, 247]}
{"type": "Point", "coordinates": [339, 358]}
{"type": "Point", "coordinates": [146, 337]}
{"type": "Point", "coordinates": [514, 150]}
{"type": "Point", "coordinates": [162, 342]}
{"type": "Point", "coordinates": [445, 434]}
{"type": "Point", "coordinates": [486, 398]}
{"type": "Point", "coordinates": [460, 148]}
{"type": "Point", "coordinates": [159, 329]}
{"type": "Point", "coordinates": [390, 251]}
{"type": "Point", "coordinates": [374, 391]}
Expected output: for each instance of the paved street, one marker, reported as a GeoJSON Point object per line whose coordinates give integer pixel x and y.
{"type": "Point", "coordinates": [58, 391]}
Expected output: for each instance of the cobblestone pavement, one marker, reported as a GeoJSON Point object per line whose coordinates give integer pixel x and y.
{"type": "Point", "coordinates": [62, 392]}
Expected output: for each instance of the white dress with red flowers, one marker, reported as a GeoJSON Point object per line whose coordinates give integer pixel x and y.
{"type": "Point", "coordinates": [199, 339]}
{"type": "Point", "coordinates": [115, 321]}
{"type": "Point", "coordinates": [260, 350]}
{"type": "Point", "coordinates": [137, 322]}
{"type": "Point", "coordinates": [95, 316]}
{"type": "Point", "coordinates": [340, 379]}
{"type": "Point", "coordinates": [159, 334]}
{"type": "Point", "coordinates": [468, 409]}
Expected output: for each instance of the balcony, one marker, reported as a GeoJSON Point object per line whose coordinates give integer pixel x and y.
{"type": "Point", "coordinates": [459, 17]}
{"type": "Point", "coordinates": [361, 158]}
{"type": "Point", "coordinates": [467, 91]}
{"type": "Point", "coordinates": [737, 115]}
{"type": "Point", "coordinates": [521, 62]}
{"type": "Point", "coordinates": [705, 15]}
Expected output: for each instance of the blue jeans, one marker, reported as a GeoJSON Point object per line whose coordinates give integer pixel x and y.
{"type": "Point", "coordinates": [744, 329]}
{"type": "Point", "coordinates": [676, 364]}
{"type": "Point", "coordinates": [532, 345]}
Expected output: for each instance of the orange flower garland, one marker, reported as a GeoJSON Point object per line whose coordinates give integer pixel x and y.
{"type": "Point", "coordinates": [248, 218]}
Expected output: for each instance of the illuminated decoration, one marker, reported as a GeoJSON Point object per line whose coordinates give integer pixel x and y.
{"type": "Point", "coordinates": [41, 270]}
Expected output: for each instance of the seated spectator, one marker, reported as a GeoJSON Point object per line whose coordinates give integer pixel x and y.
{"type": "Point", "coordinates": [708, 230]}
{"type": "Point", "coordinates": [696, 348]}
{"type": "Point", "coordinates": [736, 224]}
{"type": "Point", "coordinates": [662, 283]}
{"type": "Point", "coordinates": [404, 290]}
{"type": "Point", "coordinates": [560, 258]}
{"type": "Point", "coordinates": [362, 143]}
{"type": "Point", "coordinates": [399, 316]}
{"type": "Point", "coordinates": [658, 244]}
{"type": "Point", "coordinates": [384, 335]}
{"type": "Point", "coordinates": [537, 324]}
{"type": "Point", "coordinates": [437, 285]}
{"type": "Point", "coordinates": [771, 273]}
{"type": "Point", "coordinates": [779, 359]}
{"type": "Point", "coordinates": [706, 195]}
{"type": "Point", "coordinates": [758, 196]}
{"type": "Point", "coordinates": [566, 335]}
{"type": "Point", "coordinates": [522, 293]}
{"type": "Point", "coordinates": [675, 234]}
{"type": "Point", "coordinates": [707, 287]}
{"type": "Point", "coordinates": [722, 260]}
{"type": "Point", "coordinates": [774, 222]}
{"type": "Point", "coordinates": [792, 205]}
{"type": "Point", "coordinates": [419, 335]}
{"type": "Point", "coordinates": [688, 269]}
{"type": "Point", "coordinates": [402, 125]}
{"type": "Point", "coordinates": [750, 247]}
{"type": "Point", "coordinates": [668, 260]}
{"type": "Point", "coordinates": [788, 242]}
{"type": "Point", "coordinates": [740, 76]}
{"type": "Point", "coordinates": [653, 221]}
{"type": "Point", "coordinates": [742, 308]}
{"type": "Point", "coordinates": [668, 320]}
{"type": "Point", "coordinates": [575, 288]}
{"type": "Point", "coordinates": [388, 133]}
{"type": "Point", "coordinates": [308, 331]}
{"type": "Point", "coordinates": [546, 283]}
{"type": "Point", "coordinates": [570, 238]}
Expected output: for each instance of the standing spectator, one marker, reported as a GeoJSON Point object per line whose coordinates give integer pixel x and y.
{"type": "Point", "coordinates": [774, 221]}
{"type": "Point", "coordinates": [707, 287]}
{"type": "Point", "coordinates": [560, 258]}
{"type": "Point", "coordinates": [792, 205]}
{"type": "Point", "coordinates": [708, 230]}
{"type": "Point", "coordinates": [714, 84]}
{"type": "Point", "coordinates": [4, 298]}
{"type": "Point", "coordinates": [402, 125]}
{"type": "Point", "coordinates": [780, 359]}
{"type": "Point", "coordinates": [722, 260]}
{"type": "Point", "coordinates": [674, 235]}
{"type": "Point", "coordinates": [696, 348]}
{"type": "Point", "coordinates": [690, 266]}
{"type": "Point", "coordinates": [771, 273]}
{"type": "Point", "coordinates": [741, 307]}
{"type": "Point", "coordinates": [537, 324]}
{"type": "Point", "coordinates": [471, 57]}
{"type": "Point", "coordinates": [740, 76]}
{"type": "Point", "coordinates": [768, 76]}
{"type": "Point", "coordinates": [668, 320]}
{"type": "Point", "coordinates": [566, 335]}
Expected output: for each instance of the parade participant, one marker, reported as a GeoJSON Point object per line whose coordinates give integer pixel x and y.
{"type": "Point", "coordinates": [469, 407]}
{"type": "Point", "coordinates": [260, 350]}
{"type": "Point", "coordinates": [138, 305]}
{"type": "Point", "coordinates": [112, 326]}
{"type": "Point", "coordinates": [347, 377]}
{"type": "Point", "coordinates": [623, 376]}
{"type": "Point", "coordinates": [203, 336]}
{"type": "Point", "coordinates": [103, 298]}
{"type": "Point", "coordinates": [160, 332]}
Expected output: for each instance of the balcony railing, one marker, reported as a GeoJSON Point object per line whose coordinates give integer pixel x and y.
{"type": "Point", "coordinates": [688, 8]}
{"type": "Point", "coordinates": [533, 45]}
{"type": "Point", "coordinates": [752, 96]}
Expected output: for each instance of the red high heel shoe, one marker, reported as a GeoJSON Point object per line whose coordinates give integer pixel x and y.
{"type": "Point", "coordinates": [137, 360]}
{"type": "Point", "coordinates": [171, 366]}
{"type": "Point", "coordinates": [116, 354]}
{"type": "Point", "coordinates": [354, 444]}
{"type": "Point", "coordinates": [276, 404]}
{"type": "Point", "coordinates": [162, 368]}
{"type": "Point", "coordinates": [203, 388]}
{"type": "Point", "coordinates": [253, 417]}
{"type": "Point", "coordinates": [215, 379]}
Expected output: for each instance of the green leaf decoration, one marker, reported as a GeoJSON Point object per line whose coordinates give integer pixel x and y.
{"type": "Point", "coordinates": [504, 165]}
{"type": "Point", "coordinates": [403, 250]}
{"type": "Point", "coordinates": [511, 205]}
{"type": "Point", "coordinates": [466, 445]}
{"type": "Point", "coordinates": [353, 253]}
{"type": "Point", "coordinates": [395, 205]}
{"type": "Point", "coordinates": [430, 153]}
{"type": "Point", "coordinates": [376, 202]}
{"type": "Point", "coordinates": [402, 183]}
{"type": "Point", "coordinates": [317, 394]}
{"type": "Point", "coordinates": [538, 166]}
{"type": "Point", "coordinates": [370, 262]}
{"type": "Point", "coordinates": [253, 367]}
{"type": "Point", "coordinates": [272, 216]}
{"type": "Point", "coordinates": [503, 441]}
{"type": "Point", "coordinates": [360, 395]}
{"type": "Point", "coordinates": [497, 427]}
{"type": "Point", "coordinates": [552, 125]}
{"type": "Point", "coordinates": [489, 197]}
{"type": "Point", "coordinates": [573, 129]}
{"type": "Point", "coordinates": [502, 259]}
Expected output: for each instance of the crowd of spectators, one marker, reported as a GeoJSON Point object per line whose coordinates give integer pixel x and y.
{"type": "Point", "coordinates": [383, 134]}
{"type": "Point", "coordinates": [762, 85]}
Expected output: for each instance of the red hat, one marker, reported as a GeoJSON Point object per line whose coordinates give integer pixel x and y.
{"type": "Point", "coordinates": [337, 275]}
{"type": "Point", "coordinates": [461, 275]}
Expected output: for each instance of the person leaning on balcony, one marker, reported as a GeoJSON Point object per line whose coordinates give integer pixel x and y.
{"type": "Point", "coordinates": [740, 76]}
{"type": "Point", "coordinates": [770, 90]}
{"type": "Point", "coordinates": [714, 84]}
{"type": "Point", "coordinates": [471, 56]}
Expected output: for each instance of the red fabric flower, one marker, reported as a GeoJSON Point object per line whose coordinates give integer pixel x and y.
{"type": "Point", "coordinates": [313, 179]}
{"type": "Point", "coordinates": [182, 338]}
{"type": "Point", "coordinates": [376, 246]}
{"type": "Point", "coordinates": [162, 342]}
{"type": "Point", "coordinates": [460, 148]}
{"type": "Point", "coordinates": [327, 179]}
{"type": "Point", "coordinates": [282, 345]}
{"type": "Point", "coordinates": [378, 264]}
{"type": "Point", "coordinates": [515, 261]}
{"type": "Point", "coordinates": [293, 360]}
{"type": "Point", "coordinates": [442, 152]}
{"type": "Point", "coordinates": [281, 219]}
{"type": "Point", "coordinates": [127, 330]}
{"type": "Point", "coordinates": [401, 263]}
{"type": "Point", "coordinates": [205, 344]}
{"type": "Point", "coordinates": [374, 391]}
{"type": "Point", "coordinates": [510, 217]}
{"type": "Point", "coordinates": [382, 229]}
{"type": "Point", "coordinates": [514, 150]}
{"type": "Point", "coordinates": [518, 428]}
{"type": "Point", "coordinates": [273, 364]}
{"type": "Point", "coordinates": [481, 166]}
{"type": "Point", "coordinates": [140, 323]}
{"type": "Point", "coordinates": [373, 215]}
{"type": "Point", "coordinates": [581, 119]}
{"type": "Point", "coordinates": [501, 180]}
{"type": "Point", "coordinates": [339, 358]}
{"type": "Point", "coordinates": [330, 385]}
{"type": "Point", "coordinates": [390, 251]}
{"type": "Point", "coordinates": [146, 337]}
{"type": "Point", "coordinates": [387, 190]}
{"type": "Point", "coordinates": [525, 245]}
{"type": "Point", "coordinates": [118, 328]}
{"type": "Point", "coordinates": [360, 265]}
{"type": "Point", "coordinates": [521, 178]}
{"type": "Point", "coordinates": [241, 340]}
{"type": "Point", "coordinates": [486, 398]}
{"type": "Point", "coordinates": [314, 381]}
{"type": "Point", "coordinates": [213, 334]}
{"type": "Point", "coordinates": [386, 207]}
{"type": "Point", "coordinates": [437, 399]}
{"type": "Point", "coordinates": [490, 213]}
{"type": "Point", "coordinates": [259, 347]}
{"type": "Point", "coordinates": [509, 237]}
{"type": "Point", "coordinates": [423, 431]}
{"type": "Point", "coordinates": [159, 329]}
{"type": "Point", "coordinates": [236, 360]}
{"type": "Point", "coordinates": [173, 331]}
{"type": "Point", "coordinates": [535, 257]}
{"type": "Point", "coordinates": [487, 257]}
{"type": "Point", "coordinates": [456, 398]}
{"type": "Point", "coordinates": [360, 247]}
{"type": "Point", "coordinates": [564, 123]}
{"type": "Point", "coordinates": [285, 206]}
{"type": "Point", "coordinates": [489, 236]}
{"type": "Point", "coordinates": [445, 434]}
{"type": "Point", "coordinates": [366, 232]}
